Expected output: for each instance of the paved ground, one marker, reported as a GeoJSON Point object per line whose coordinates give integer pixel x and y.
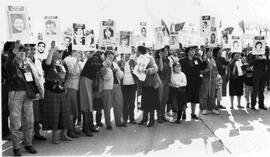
{"type": "Point", "coordinates": [233, 132]}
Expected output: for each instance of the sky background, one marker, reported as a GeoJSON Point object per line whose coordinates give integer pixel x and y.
{"type": "Point", "coordinates": [128, 13]}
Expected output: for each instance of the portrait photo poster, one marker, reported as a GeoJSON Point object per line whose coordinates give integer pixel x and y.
{"type": "Point", "coordinates": [107, 33]}
{"type": "Point", "coordinates": [258, 45]}
{"type": "Point", "coordinates": [236, 44]}
{"type": "Point", "coordinates": [124, 44]}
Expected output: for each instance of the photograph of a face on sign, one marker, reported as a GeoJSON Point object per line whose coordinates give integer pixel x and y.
{"type": "Point", "coordinates": [159, 38]}
{"type": "Point", "coordinates": [143, 29]}
{"type": "Point", "coordinates": [205, 25]}
{"type": "Point", "coordinates": [90, 38]}
{"type": "Point", "coordinates": [174, 41]}
{"type": "Point", "coordinates": [258, 45]}
{"type": "Point", "coordinates": [225, 39]}
{"type": "Point", "coordinates": [78, 34]}
{"type": "Point", "coordinates": [52, 26]}
{"type": "Point", "coordinates": [213, 37]}
{"type": "Point", "coordinates": [18, 23]}
{"type": "Point", "coordinates": [107, 33]}
{"type": "Point", "coordinates": [124, 45]}
{"type": "Point", "coordinates": [236, 45]}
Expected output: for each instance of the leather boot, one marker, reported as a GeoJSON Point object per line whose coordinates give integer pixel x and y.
{"type": "Point", "coordinates": [98, 119]}
{"type": "Point", "coordinates": [92, 126]}
{"type": "Point", "coordinates": [86, 124]}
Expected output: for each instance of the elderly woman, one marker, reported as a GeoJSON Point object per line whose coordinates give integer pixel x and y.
{"type": "Point", "coordinates": [88, 75]}
{"type": "Point", "coordinates": [54, 108]}
{"type": "Point", "coordinates": [72, 62]}
{"type": "Point", "coordinates": [23, 86]}
{"type": "Point", "coordinates": [209, 83]}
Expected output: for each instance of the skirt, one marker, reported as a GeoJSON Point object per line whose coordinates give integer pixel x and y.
{"type": "Point", "coordinates": [150, 99]}
{"type": "Point", "coordinates": [73, 101]}
{"type": "Point", "coordinates": [54, 111]}
{"type": "Point", "coordinates": [236, 86]}
{"type": "Point", "coordinates": [193, 91]}
{"type": "Point", "coordinates": [86, 94]}
{"type": "Point", "coordinates": [36, 110]}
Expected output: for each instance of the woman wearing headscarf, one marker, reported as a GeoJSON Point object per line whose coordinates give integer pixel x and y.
{"type": "Point", "coordinates": [23, 87]}
{"type": "Point", "coordinates": [88, 76]}
{"type": "Point", "coordinates": [54, 108]}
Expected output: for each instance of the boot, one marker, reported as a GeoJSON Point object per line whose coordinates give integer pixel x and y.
{"type": "Point", "coordinates": [144, 120]}
{"type": "Point", "coordinates": [152, 119]}
{"type": "Point", "coordinates": [71, 131]}
{"type": "Point", "coordinates": [92, 126]}
{"type": "Point", "coordinates": [86, 124]}
{"type": "Point", "coordinates": [98, 119]}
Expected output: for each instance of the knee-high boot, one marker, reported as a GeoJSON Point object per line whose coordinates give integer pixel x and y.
{"type": "Point", "coordinates": [92, 126]}
{"type": "Point", "coordinates": [86, 124]}
{"type": "Point", "coordinates": [98, 119]}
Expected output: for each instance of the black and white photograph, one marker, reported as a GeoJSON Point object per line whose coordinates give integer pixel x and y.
{"type": "Point", "coordinates": [109, 78]}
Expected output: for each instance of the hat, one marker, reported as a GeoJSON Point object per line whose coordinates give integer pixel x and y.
{"type": "Point", "coordinates": [142, 49]}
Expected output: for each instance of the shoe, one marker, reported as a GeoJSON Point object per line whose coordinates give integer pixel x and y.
{"type": "Point", "coordinates": [132, 122]}
{"type": "Point", "coordinates": [160, 120]}
{"type": "Point", "coordinates": [177, 121]}
{"type": "Point", "coordinates": [263, 108]}
{"type": "Point", "coordinates": [65, 138]}
{"type": "Point", "coordinates": [94, 129]}
{"type": "Point", "coordinates": [30, 149]}
{"type": "Point", "coordinates": [194, 116]}
{"type": "Point", "coordinates": [121, 125]}
{"type": "Point", "coordinates": [253, 108]}
{"type": "Point", "coordinates": [87, 133]}
{"type": "Point", "coordinates": [142, 122]}
{"type": "Point", "coordinates": [150, 124]}
{"type": "Point", "coordinates": [248, 105]}
{"type": "Point", "coordinates": [221, 107]}
{"type": "Point", "coordinates": [72, 134]}
{"type": "Point", "coordinates": [231, 108]}
{"type": "Point", "coordinates": [109, 127]}
{"type": "Point", "coordinates": [204, 112]}
{"type": "Point", "coordinates": [99, 124]}
{"type": "Point", "coordinates": [17, 152]}
{"type": "Point", "coordinates": [78, 132]}
{"type": "Point", "coordinates": [184, 117]}
{"type": "Point", "coordinates": [240, 107]}
{"type": "Point", "coordinates": [40, 137]}
{"type": "Point", "coordinates": [215, 112]}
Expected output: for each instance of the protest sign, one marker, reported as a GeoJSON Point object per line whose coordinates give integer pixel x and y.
{"type": "Point", "coordinates": [174, 41]}
{"type": "Point", "coordinates": [139, 69]}
{"type": "Point", "coordinates": [159, 38]}
{"type": "Point", "coordinates": [124, 44]}
{"type": "Point", "coordinates": [52, 26]}
{"type": "Point", "coordinates": [205, 25]}
{"type": "Point", "coordinates": [18, 21]}
{"type": "Point", "coordinates": [78, 34]}
{"type": "Point", "coordinates": [236, 44]}
{"type": "Point", "coordinates": [258, 45]}
{"type": "Point", "coordinates": [225, 39]}
{"type": "Point", "coordinates": [213, 37]}
{"type": "Point", "coordinates": [90, 38]}
{"type": "Point", "coordinates": [107, 33]}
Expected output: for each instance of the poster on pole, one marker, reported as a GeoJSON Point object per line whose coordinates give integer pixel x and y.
{"type": "Point", "coordinates": [107, 33]}
{"type": "Point", "coordinates": [90, 38]}
{"type": "Point", "coordinates": [18, 21]}
{"type": "Point", "coordinates": [124, 44]}
{"type": "Point", "coordinates": [159, 38]}
{"type": "Point", "coordinates": [213, 37]}
{"type": "Point", "coordinates": [258, 45]}
{"type": "Point", "coordinates": [174, 41]}
{"type": "Point", "coordinates": [236, 44]}
{"type": "Point", "coordinates": [205, 26]}
{"type": "Point", "coordinates": [52, 26]}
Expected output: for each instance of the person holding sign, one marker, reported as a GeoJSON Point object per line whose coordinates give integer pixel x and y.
{"type": "Point", "coordinates": [23, 88]}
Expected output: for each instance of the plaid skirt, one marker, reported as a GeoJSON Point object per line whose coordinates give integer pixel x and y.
{"type": "Point", "coordinates": [54, 111]}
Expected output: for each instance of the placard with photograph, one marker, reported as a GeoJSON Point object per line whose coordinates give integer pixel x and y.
{"type": "Point", "coordinates": [174, 41]}
{"type": "Point", "coordinates": [236, 44]}
{"type": "Point", "coordinates": [107, 33]}
{"type": "Point", "coordinates": [159, 38]}
{"type": "Point", "coordinates": [52, 26]}
{"type": "Point", "coordinates": [205, 25]}
{"type": "Point", "coordinates": [258, 45]}
{"type": "Point", "coordinates": [213, 37]}
{"type": "Point", "coordinates": [124, 45]}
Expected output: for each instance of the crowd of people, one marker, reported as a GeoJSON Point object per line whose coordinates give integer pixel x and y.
{"type": "Point", "coordinates": [61, 89]}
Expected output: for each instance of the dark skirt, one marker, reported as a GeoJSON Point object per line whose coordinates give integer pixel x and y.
{"type": "Point", "coordinates": [55, 111]}
{"type": "Point", "coordinates": [73, 101]}
{"type": "Point", "coordinates": [193, 91]}
{"type": "Point", "coordinates": [36, 110]}
{"type": "Point", "coordinates": [236, 86]}
{"type": "Point", "coordinates": [98, 105]}
{"type": "Point", "coordinates": [150, 99]}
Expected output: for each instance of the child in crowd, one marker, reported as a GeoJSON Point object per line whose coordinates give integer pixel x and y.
{"type": "Point", "coordinates": [177, 89]}
{"type": "Point", "coordinates": [219, 89]}
{"type": "Point", "coordinates": [248, 79]}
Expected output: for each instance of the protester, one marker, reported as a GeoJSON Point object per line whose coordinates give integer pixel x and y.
{"type": "Point", "coordinates": [236, 79]}
{"type": "Point", "coordinates": [54, 107]}
{"type": "Point", "coordinates": [209, 83]}
{"type": "Point", "coordinates": [22, 87]}
{"type": "Point", "coordinates": [88, 75]}
{"type": "Point", "coordinates": [150, 99]}
{"type": "Point", "coordinates": [129, 90]}
{"type": "Point", "coordinates": [191, 67]}
{"type": "Point", "coordinates": [178, 83]}
{"type": "Point", "coordinates": [74, 69]}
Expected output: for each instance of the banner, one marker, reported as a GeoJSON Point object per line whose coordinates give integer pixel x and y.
{"type": "Point", "coordinates": [159, 38]}
{"type": "Point", "coordinates": [174, 41]}
{"type": "Point", "coordinates": [107, 33]}
{"type": "Point", "coordinates": [18, 21]}
{"type": "Point", "coordinates": [258, 45]}
{"type": "Point", "coordinates": [205, 25]}
{"type": "Point", "coordinates": [124, 45]}
{"type": "Point", "coordinates": [52, 26]}
{"type": "Point", "coordinates": [213, 37]}
{"type": "Point", "coordinates": [236, 44]}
